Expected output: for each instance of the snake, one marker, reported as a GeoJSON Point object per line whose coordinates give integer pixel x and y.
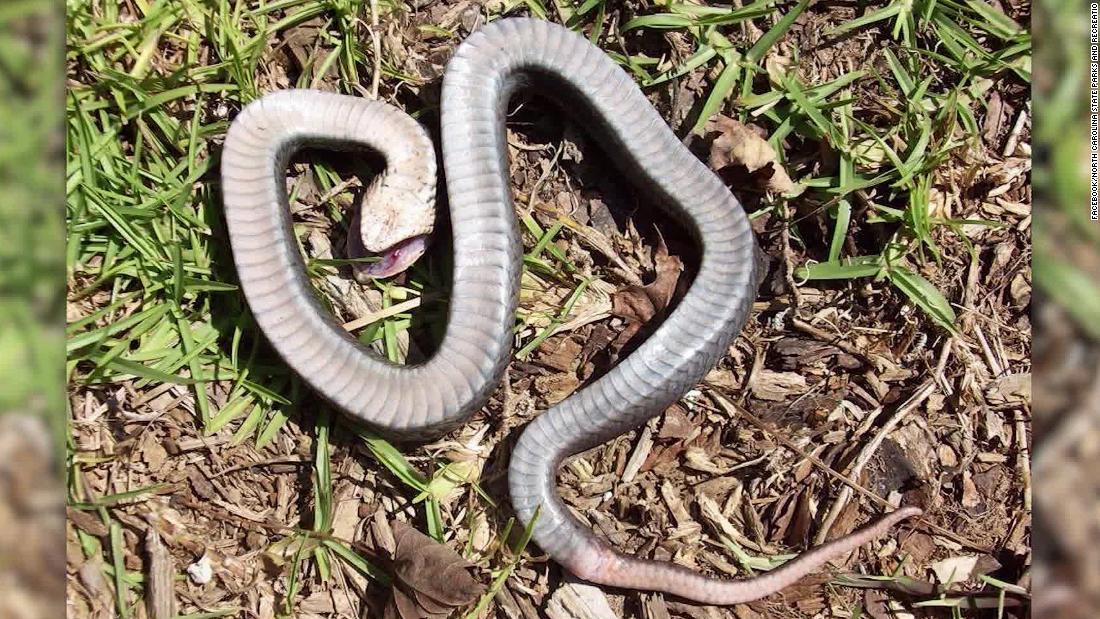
{"type": "Point", "coordinates": [428, 399]}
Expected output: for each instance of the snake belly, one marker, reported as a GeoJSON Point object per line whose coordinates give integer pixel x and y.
{"type": "Point", "coordinates": [425, 400]}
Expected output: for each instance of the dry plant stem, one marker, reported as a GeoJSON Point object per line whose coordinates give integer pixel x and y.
{"type": "Point", "coordinates": [941, 366]}
{"type": "Point", "coordinates": [1018, 128]}
{"type": "Point", "coordinates": [828, 338]}
{"type": "Point", "coordinates": [1023, 458]}
{"type": "Point", "coordinates": [382, 314]}
{"type": "Point", "coordinates": [730, 409]}
{"type": "Point", "coordinates": [868, 452]}
{"type": "Point", "coordinates": [788, 262]}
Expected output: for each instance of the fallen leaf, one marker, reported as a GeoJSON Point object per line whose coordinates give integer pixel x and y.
{"type": "Point", "coordinates": [740, 153]}
{"type": "Point", "coordinates": [431, 579]}
{"type": "Point", "coordinates": [640, 304]}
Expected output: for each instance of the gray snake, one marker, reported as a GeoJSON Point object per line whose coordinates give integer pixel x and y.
{"type": "Point", "coordinates": [425, 400]}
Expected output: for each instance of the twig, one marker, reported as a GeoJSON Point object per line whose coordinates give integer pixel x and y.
{"type": "Point", "coordinates": [1014, 135]}
{"type": "Point", "coordinates": [788, 263]}
{"type": "Point", "coordinates": [867, 453]}
{"type": "Point", "coordinates": [941, 366]}
{"type": "Point", "coordinates": [828, 338]}
{"type": "Point", "coordinates": [1023, 458]}
{"type": "Point", "coordinates": [730, 409]}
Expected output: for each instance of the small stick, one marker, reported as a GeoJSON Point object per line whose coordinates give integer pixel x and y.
{"type": "Point", "coordinates": [1023, 458]}
{"type": "Point", "coordinates": [828, 338]}
{"type": "Point", "coordinates": [788, 263]}
{"type": "Point", "coordinates": [1014, 135]}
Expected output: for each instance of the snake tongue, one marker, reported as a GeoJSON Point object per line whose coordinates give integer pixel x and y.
{"type": "Point", "coordinates": [395, 259]}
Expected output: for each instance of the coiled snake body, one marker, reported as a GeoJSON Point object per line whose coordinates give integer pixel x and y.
{"type": "Point", "coordinates": [428, 399]}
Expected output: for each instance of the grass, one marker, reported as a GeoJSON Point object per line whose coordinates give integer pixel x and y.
{"type": "Point", "coordinates": [145, 253]}
{"type": "Point", "coordinates": [958, 46]}
{"type": "Point", "coordinates": [954, 599]}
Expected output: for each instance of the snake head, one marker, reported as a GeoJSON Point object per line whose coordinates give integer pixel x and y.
{"type": "Point", "coordinates": [393, 225]}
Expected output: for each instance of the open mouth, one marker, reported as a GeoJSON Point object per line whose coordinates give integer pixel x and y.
{"type": "Point", "coordinates": [394, 260]}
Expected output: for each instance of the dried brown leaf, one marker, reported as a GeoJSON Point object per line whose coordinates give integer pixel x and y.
{"type": "Point", "coordinates": [401, 606]}
{"type": "Point", "coordinates": [639, 304]}
{"type": "Point", "coordinates": [740, 153]}
{"type": "Point", "coordinates": [437, 578]}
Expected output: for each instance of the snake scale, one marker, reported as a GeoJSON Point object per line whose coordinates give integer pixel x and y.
{"type": "Point", "coordinates": [428, 399]}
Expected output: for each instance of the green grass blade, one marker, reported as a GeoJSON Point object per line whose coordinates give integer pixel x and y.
{"type": "Point", "coordinates": [925, 295]}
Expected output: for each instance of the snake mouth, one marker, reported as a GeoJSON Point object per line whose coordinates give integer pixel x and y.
{"type": "Point", "coordinates": [395, 259]}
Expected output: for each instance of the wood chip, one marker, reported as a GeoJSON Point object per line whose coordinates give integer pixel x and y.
{"type": "Point", "coordinates": [577, 600]}
{"type": "Point", "coordinates": [160, 591]}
